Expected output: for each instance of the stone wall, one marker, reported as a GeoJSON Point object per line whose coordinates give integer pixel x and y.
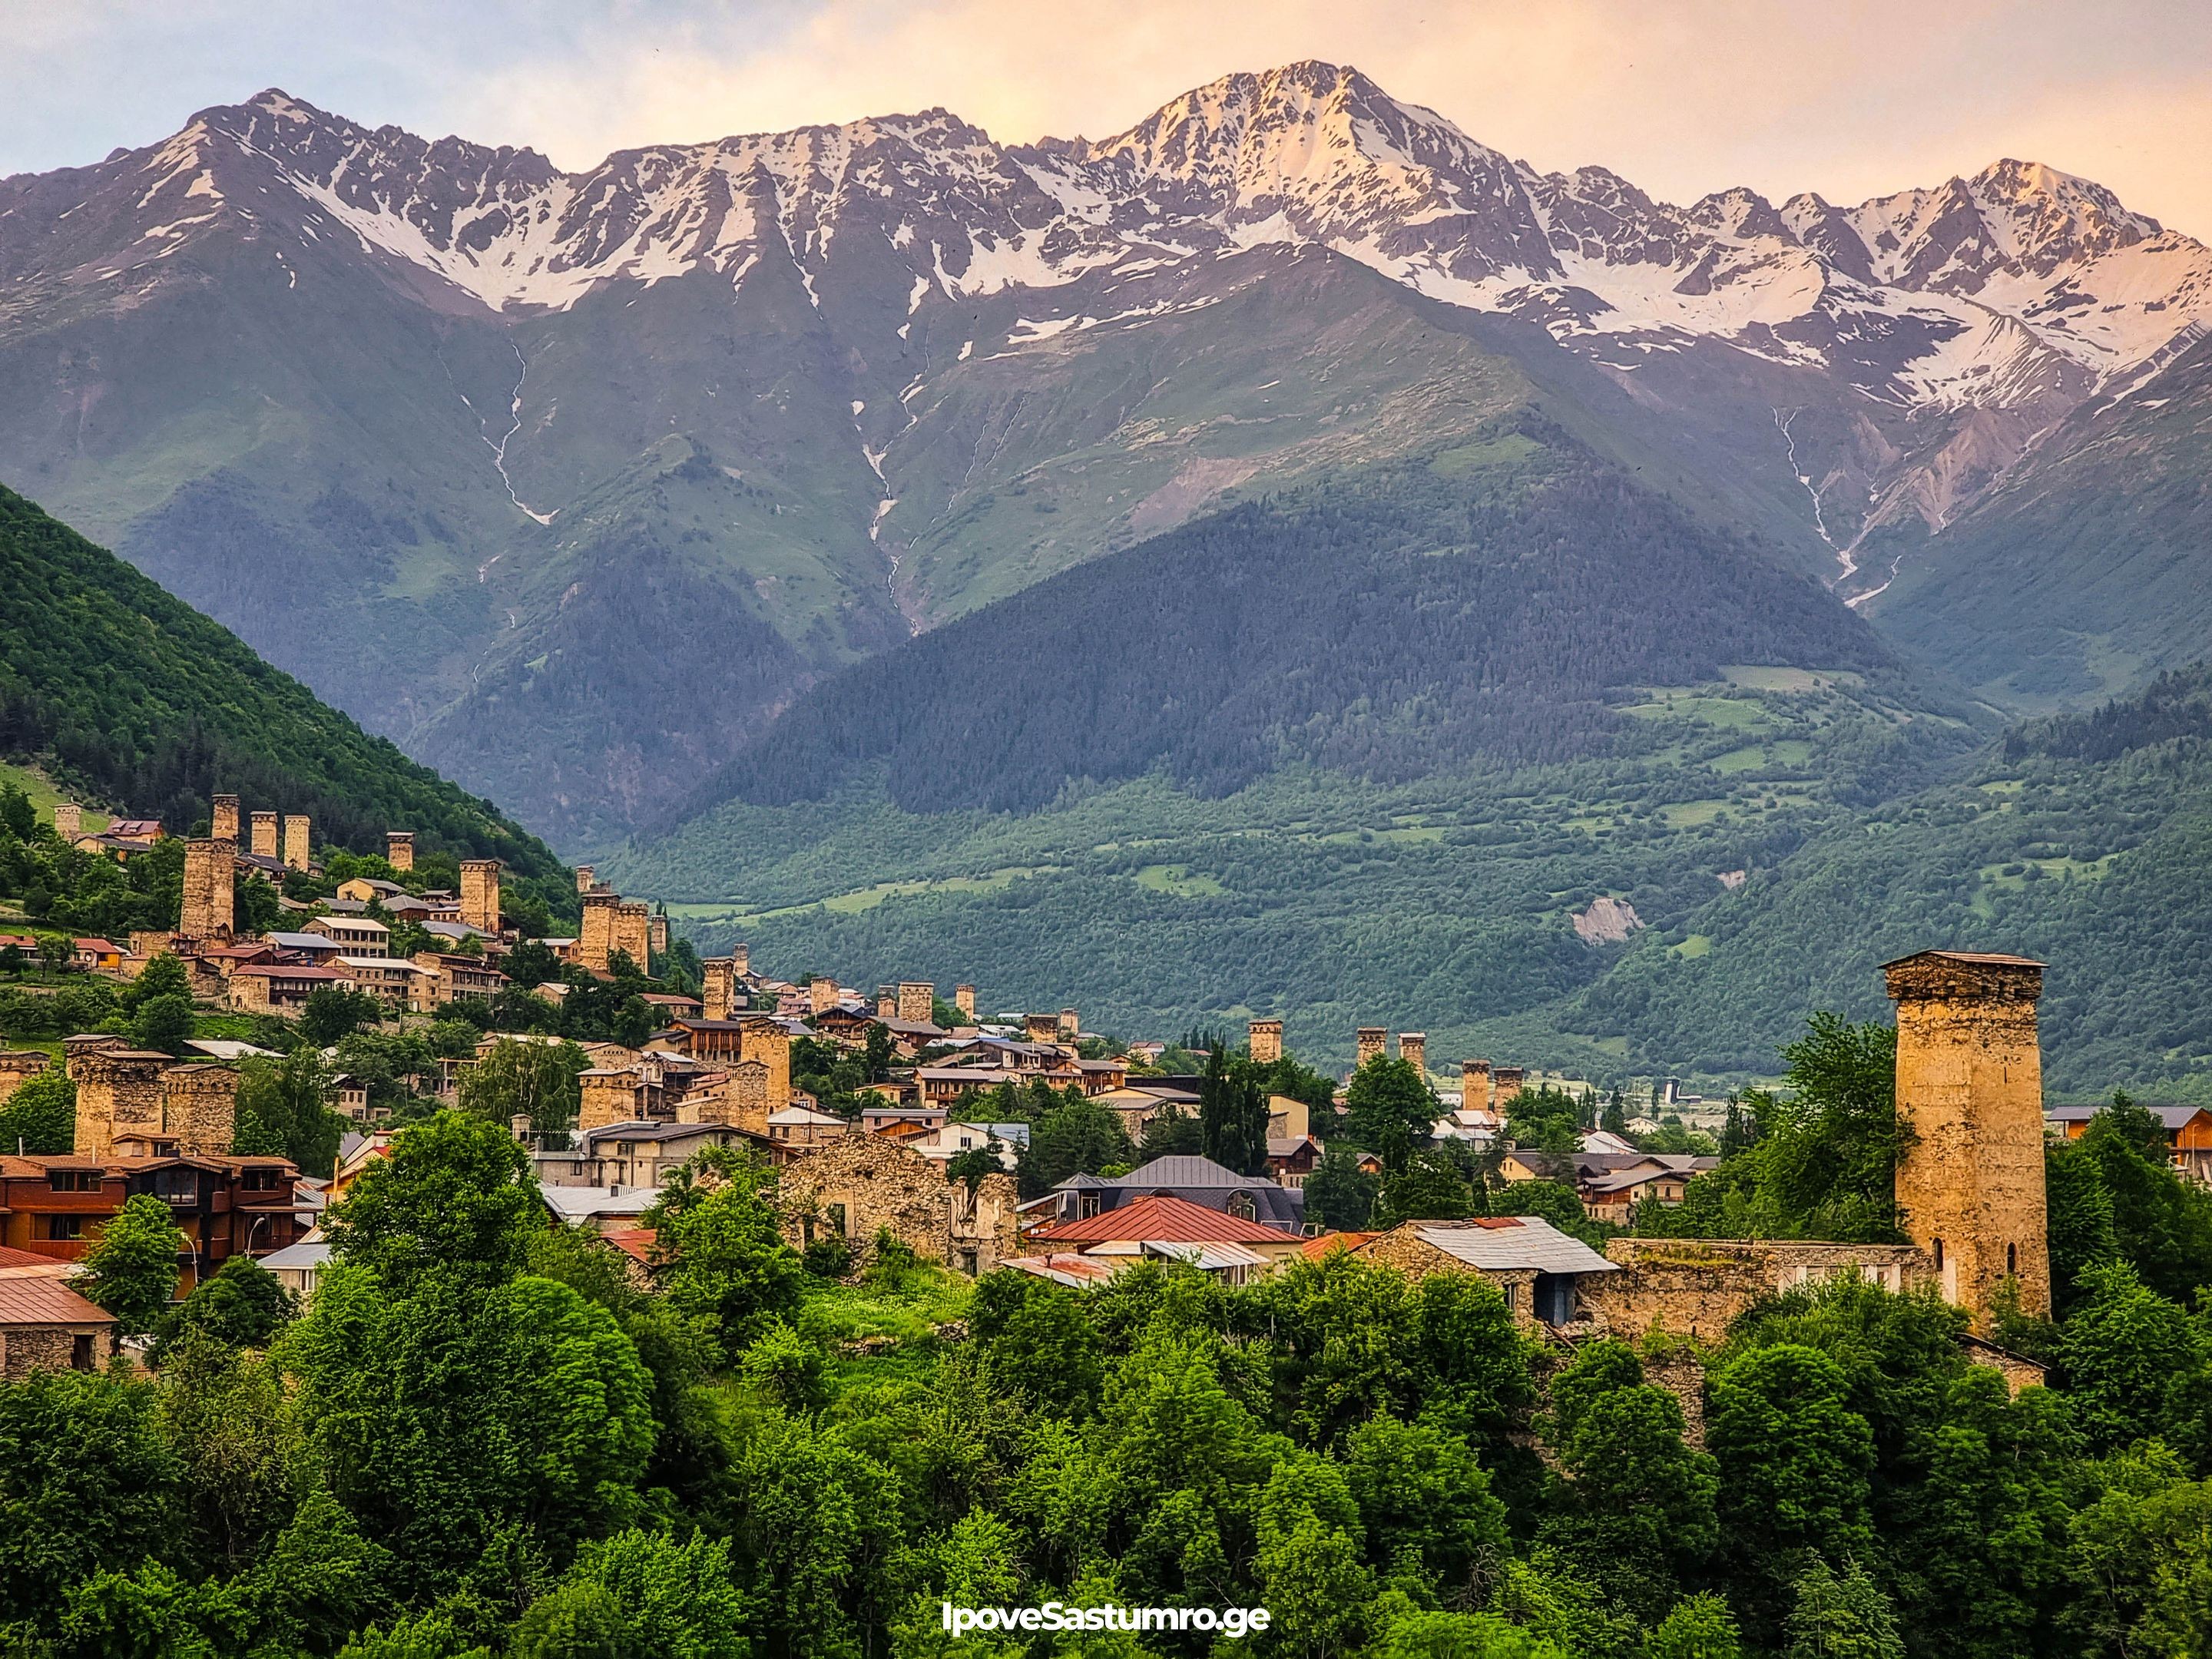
{"type": "Point", "coordinates": [608, 1097]}
{"type": "Point", "coordinates": [822, 994]}
{"type": "Point", "coordinates": [400, 848]}
{"type": "Point", "coordinates": [18, 1067]}
{"type": "Point", "coordinates": [632, 933]}
{"type": "Point", "coordinates": [739, 1101]}
{"type": "Point", "coordinates": [863, 1184]}
{"type": "Point", "coordinates": [595, 941]}
{"type": "Point", "coordinates": [964, 999]}
{"type": "Point", "coordinates": [1404, 1248]}
{"type": "Point", "coordinates": [1696, 1287]}
{"type": "Point", "coordinates": [27, 1348]}
{"type": "Point", "coordinates": [295, 841]}
{"type": "Point", "coordinates": [1506, 1082]}
{"type": "Point", "coordinates": [199, 1108]}
{"type": "Point", "coordinates": [1970, 1087]}
{"type": "Point", "coordinates": [1264, 1037]}
{"type": "Point", "coordinates": [69, 820]}
{"type": "Point", "coordinates": [117, 1092]}
{"type": "Point", "coordinates": [209, 868]}
{"type": "Point", "coordinates": [769, 1044]}
{"type": "Point", "coordinates": [480, 894]}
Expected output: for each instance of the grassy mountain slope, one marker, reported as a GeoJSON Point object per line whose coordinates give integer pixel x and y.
{"type": "Point", "coordinates": [2083, 840]}
{"type": "Point", "coordinates": [2089, 569]}
{"type": "Point", "coordinates": [1357, 754]}
{"type": "Point", "coordinates": [152, 705]}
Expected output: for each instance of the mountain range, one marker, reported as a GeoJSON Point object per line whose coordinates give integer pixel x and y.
{"type": "Point", "coordinates": [571, 482]}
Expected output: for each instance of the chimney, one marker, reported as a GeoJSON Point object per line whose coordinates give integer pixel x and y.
{"type": "Point", "coordinates": [295, 841]}
{"type": "Point", "coordinates": [1372, 1040]}
{"type": "Point", "coordinates": [264, 835]}
{"type": "Point", "coordinates": [69, 820]}
{"type": "Point", "coordinates": [224, 821]}
{"type": "Point", "coordinates": [1970, 1089]}
{"type": "Point", "coordinates": [1264, 1038]}
{"type": "Point", "coordinates": [400, 848]}
{"type": "Point", "coordinates": [1413, 1050]}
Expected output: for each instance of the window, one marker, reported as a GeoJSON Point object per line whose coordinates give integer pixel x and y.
{"type": "Point", "coordinates": [258, 1180]}
{"type": "Point", "coordinates": [1939, 1254]}
{"type": "Point", "coordinates": [73, 1181]}
{"type": "Point", "coordinates": [1242, 1206]}
{"type": "Point", "coordinates": [80, 1351]}
{"type": "Point", "coordinates": [837, 1223]}
{"type": "Point", "coordinates": [178, 1186]}
{"type": "Point", "coordinates": [2012, 1258]}
{"type": "Point", "coordinates": [967, 1263]}
{"type": "Point", "coordinates": [62, 1226]}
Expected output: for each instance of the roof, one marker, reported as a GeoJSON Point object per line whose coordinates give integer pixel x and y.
{"type": "Point", "coordinates": [1183, 1171]}
{"type": "Point", "coordinates": [1162, 1220]}
{"type": "Point", "coordinates": [1510, 1241]}
{"type": "Point", "coordinates": [307, 1253]}
{"type": "Point", "coordinates": [356, 923]}
{"type": "Point", "coordinates": [14, 1260]}
{"type": "Point", "coordinates": [1986, 958]}
{"type": "Point", "coordinates": [635, 1243]}
{"type": "Point", "coordinates": [1315, 1248]}
{"type": "Point", "coordinates": [1063, 1268]}
{"type": "Point", "coordinates": [2173, 1117]}
{"type": "Point", "coordinates": [648, 1130]}
{"type": "Point", "coordinates": [38, 1301]}
{"type": "Point", "coordinates": [574, 1204]}
{"type": "Point", "coordinates": [282, 970]}
{"type": "Point", "coordinates": [801, 1115]}
{"type": "Point", "coordinates": [1205, 1257]}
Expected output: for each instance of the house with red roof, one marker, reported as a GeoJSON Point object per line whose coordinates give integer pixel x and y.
{"type": "Point", "coordinates": [1165, 1228]}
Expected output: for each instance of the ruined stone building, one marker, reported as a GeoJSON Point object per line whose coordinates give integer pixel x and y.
{"type": "Point", "coordinates": [133, 1102]}
{"type": "Point", "coordinates": [865, 1183]}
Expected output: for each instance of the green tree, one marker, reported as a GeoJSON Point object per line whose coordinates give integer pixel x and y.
{"type": "Point", "coordinates": [2162, 1224]}
{"type": "Point", "coordinates": [41, 1117]}
{"type": "Point", "coordinates": [163, 1025]}
{"type": "Point", "coordinates": [1416, 1633]}
{"type": "Point", "coordinates": [455, 1192]}
{"type": "Point", "coordinates": [17, 816]}
{"type": "Point", "coordinates": [241, 1305]}
{"type": "Point", "coordinates": [1075, 1137]}
{"type": "Point", "coordinates": [1232, 1116]}
{"type": "Point", "coordinates": [1842, 1616]}
{"type": "Point", "coordinates": [283, 1110]}
{"type": "Point", "coordinates": [726, 1262]}
{"type": "Point", "coordinates": [132, 1269]}
{"type": "Point", "coordinates": [785, 1367]}
{"type": "Point", "coordinates": [2141, 1553]}
{"type": "Point", "coordinates": [87, 1480]}
{"type": "Point", "coordinates": [2134, 1360]}
{"type": "Point", "coordinates": [1698, 1627]}
{"type": "Point", "coordinates": [1390, 1108]}
{"type": "Point", "coordinates": [1040, 1342]}
{"type": "Point", "coordinates": [1426, 1186]}
{"type": "Point", "coordinates": [1339, 1194]}
{"type": "Point", "coordinates": [533, 1079]}
{"type": "Point", "coordinates": [332, 1013]}
{"type": "Point", "coordinates": [1424, 1501]}
{"type": "Point", "coordinates": [163, 976]}
{"type": "Point", "coordinates": [223, 1414]}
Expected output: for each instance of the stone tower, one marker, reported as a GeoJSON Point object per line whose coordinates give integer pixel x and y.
{"type": "Point", "coordinates": [296, 840]}
{"type": "Point", "coordinates": [916, 999]}
{"type": "Point", "coordinates": [585, 875]}
{"type": "Point", "coordinates": [1970, 1089]}
{"type": "Point", "coordinates": [1413, 1050]}
{"type": "Point", "coordinates": [1371, 1041]}
{"type": "Point", "coordinates": [741, 958]}
{"type": "Point", "coordinates": [1506, 1081]}
{"type": "Point", "coordinates": [1265, 1039]}
{"type": "Point", "coordinates": [1071, 1025]}
{"type": "Point", "coordinates": [265, 835]}
{"type": "Point", "coordinates": [964, 999]}
{"type": "Point", "coordinates": [763, 1041]}
{"type": "Point", "coordinates": [822, 994]}
{"type": "Point", "coordinates": [479, 893]}
{"type": "Point", "coordinates": [1474, 1085]}
{"type": "Point", "coordinates": [199, 1108]}
{"type": "Point", "coordinates": [400, 848]}
{"type": "Point", "coordinates": [119, 1094]}
{"type": "Point", "coordinates": [887, 1002]}
{"type": "Point", "coordinates": [206, 911]}
{"type": "Point", "coordinates": [595, 941]}
{"type": "Point", "coordinates": [634, 932]}
{"type": "Point", "coordinates": [223, 824]}
{"type": "Point", "coordinates": [656, 933]}
{"type": "Point", "coordinates": [69, 820]}
{"type": "Point", "coordinates": [719, 993]}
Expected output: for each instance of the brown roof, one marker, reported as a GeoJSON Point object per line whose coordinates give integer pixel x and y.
{"type": "Point", "coordinates": [1992, 958]}
{"type": "Point", "coordinates": [634, 1242]}
{"type": "Point", "coordinates": [47, 1301]}
{"type": "Point", "coordinates": [1315, 1248]}
{"type": "Point", "coordinates": [1165, 1218]}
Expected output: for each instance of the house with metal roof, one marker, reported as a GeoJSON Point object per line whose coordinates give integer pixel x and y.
{"type": "Point", "coordinates": [2188, 1134]}
{"type": "Point", "coordinates": [1162, 1227]}
{"type": "Point", "coordinates": [1540, 1270]}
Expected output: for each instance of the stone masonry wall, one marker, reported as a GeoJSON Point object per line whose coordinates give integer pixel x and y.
{"type": "Point", "coordinates": [1265, 1039]}
{"type": "Point", "coordinates": [1696, 1287]}
{"type": "Point", "coordinates": [206, 911]}
{"type": "Point", "coordinates": [199, 1108]}
{"type": "Point", "coordinates": [115, 1093]}
{"type": "Point", "coordinates": [480, 893]}
{"type": "Point", "coordinates": [18, 1067]}
{"type": "Point", "coordinates": [27, 1348]}
{"type": "Point", "coordinates": [265, 835]}
{"type": "Point", "coordinates": [295, 841]}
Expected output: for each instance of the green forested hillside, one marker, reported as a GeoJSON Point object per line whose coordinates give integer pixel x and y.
{"type": "Point", "coordinates": [141, 702]}
{"type": "Point", "coordinates": [2085, 841]}
{"type": "Point", "coordinates": [1357, 757]}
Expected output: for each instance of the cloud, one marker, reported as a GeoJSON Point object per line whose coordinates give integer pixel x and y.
{"type": "Point", "coordinates": [1848, 97]}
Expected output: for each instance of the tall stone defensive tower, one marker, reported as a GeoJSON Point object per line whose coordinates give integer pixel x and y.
{"type": "Point", "coordinates": [1474, 1085]}
{"type": "Point", "coordinates": [69, 820]}
{"type": "Point", "coordinates": [585, 875]}
{"type": "Point", "coordinates": [964, 999]}
{"type": "Point", "coordinates": [763, 1041]}
{"type": "Point", "coordinates": [1970, 1090]}
{"type": "Point", "coordinates": [916, 999]}
{"type": "Point", "coordinates": [1371, 1041]}
{"type": "Point", "coordinates": [119, 1094]}
{"type": "Point", "coordinates": [634, 932]}
{"type": "Point", "coordinates": [480, 893]}
{"type": "Point", "coordinates": [399, 849]}
{"type": "Point", "coordinates": [1506, 1082]}
{"type": "Point", "coordinates": [656, 933]}
{"type": "Point", "coordinates": [295, 841]}
{"type": "Point", "coordinates": [595, 943]}
{"type": "Point", "coordinates": [199, 1108]}
{"type": "Point", "coordinates": [206, 911]}
{"type": "Point", "coordinates": [223, 820]}
{"type": "Point", "coordinates": [1413, 1050]}
{"type": "Point", "coordinates": [265, 835]}
{"type": "Point", "coordinates": [887, 1002]}
{"type": "Point", "coordinates": [1264, 1037]}
{"type": "Point", "coordinates": [741, 958]}
{"type": "Point", "coordinates": [719, 993]}
{"type": "Point", "coordinates": [822, 994]}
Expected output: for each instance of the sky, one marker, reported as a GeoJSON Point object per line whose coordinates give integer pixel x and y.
{"type": "Point", "coordinates": [1850, 98]}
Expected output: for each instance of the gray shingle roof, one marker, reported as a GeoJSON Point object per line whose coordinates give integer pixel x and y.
{"type": "Point", "coordinates": [1530, 1242]}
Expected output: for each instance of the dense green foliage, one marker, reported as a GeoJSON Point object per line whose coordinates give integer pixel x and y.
{"type": "Point", "coordinates": [485, 1436]}
{"type": "Point", "coordinates": [148, 703]}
